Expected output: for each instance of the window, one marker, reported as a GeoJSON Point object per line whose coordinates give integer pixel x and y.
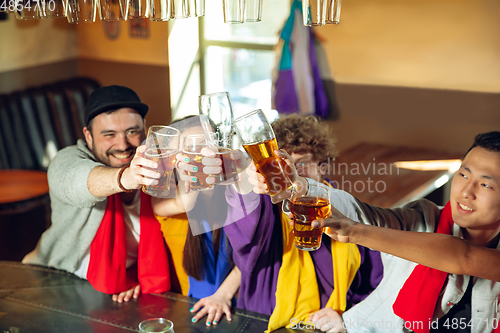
{"type": "Point", "coordinates": [237, 58]}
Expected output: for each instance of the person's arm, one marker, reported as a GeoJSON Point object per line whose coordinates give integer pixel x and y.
{"type": "Point", "coordinates": [220, 302]}
{"type": "Point", "coordinates": [103, 180]}
{"type": "Point", "coordinates": [171, 206]}
{"type": "Point", "coordinates": [180, 202]}
{"type": "Point", "coordinates": [443, 252]}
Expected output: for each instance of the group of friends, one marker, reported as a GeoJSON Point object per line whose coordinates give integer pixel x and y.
{"type": "Point", "coordinates": [231, 246]}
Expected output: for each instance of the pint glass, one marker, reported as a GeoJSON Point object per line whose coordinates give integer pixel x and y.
{"type": "Point", "coordinates": [217, 120]}
{"type": "Point", "coordinates": [305, 209]}
{"type": "Point", "coordinates": [162, 145]}
{"type": "Point", "coordinates": [257, 137]}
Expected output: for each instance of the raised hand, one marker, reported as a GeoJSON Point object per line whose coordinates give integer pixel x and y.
{"type": "Point", "coordinates": [258, 181]}
{"type": "Point", "coordinates": [338, 226]}
{"type": "Point", "coordinates": [141, 171]}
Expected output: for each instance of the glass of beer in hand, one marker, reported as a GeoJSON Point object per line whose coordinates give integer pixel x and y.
{"type": "Point", "coordinates": [191, 147]}
{"type": "Point", "coordinates": [162, 145]}
{"type": "Point", "coordinates": [257, 137]}
{"type": "Point", "coordinates": [306, 208]}
{"type": "Point", "coordinates": [216, 117]}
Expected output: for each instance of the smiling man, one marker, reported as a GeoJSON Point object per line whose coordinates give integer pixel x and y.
{"type": "Point", "coordinates": [475, 195]}
{"type": "Point", "coordinates": [103, 227]}
{"type": "Point", "coordinates": [424, 299]}
{"type": "Point", "coordinates": [462, 238]}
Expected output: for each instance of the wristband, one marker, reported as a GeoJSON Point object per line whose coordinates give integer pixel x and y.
{"type": "Point", "coordinates": [119, 180]}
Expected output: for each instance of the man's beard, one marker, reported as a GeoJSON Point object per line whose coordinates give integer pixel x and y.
{"type": "Point", "coordinates": [106, 158]}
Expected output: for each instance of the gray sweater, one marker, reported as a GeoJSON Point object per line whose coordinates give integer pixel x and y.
{"type": "Point", "coordinates": [76, 213]}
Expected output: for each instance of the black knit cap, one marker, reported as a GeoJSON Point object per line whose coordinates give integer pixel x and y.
{"type": "Point", "coordinates": [113, 98]}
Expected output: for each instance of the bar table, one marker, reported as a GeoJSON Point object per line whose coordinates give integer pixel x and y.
{"type": "Point", "coordinates": [44, 300]}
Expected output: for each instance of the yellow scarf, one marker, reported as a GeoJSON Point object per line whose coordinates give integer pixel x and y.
{"type": "Point", "coordinates": [174, 231]}
{"type": "Point", "coordinates": [297, 292]}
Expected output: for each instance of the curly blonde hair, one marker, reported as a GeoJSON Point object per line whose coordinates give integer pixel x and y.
{"type": "Point", "coordinates": [305, 134]}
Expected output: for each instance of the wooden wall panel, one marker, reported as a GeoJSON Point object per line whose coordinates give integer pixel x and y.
{"type": "Point", "coordinates": [149, 81]}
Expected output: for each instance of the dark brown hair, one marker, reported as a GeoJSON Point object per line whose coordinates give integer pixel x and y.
{"type": "Point", "coordinates": [489, 141]}
{"type": "Point", "coordinates": [305, 134]}
{"type": "Point", "coordinates": [195, 250]}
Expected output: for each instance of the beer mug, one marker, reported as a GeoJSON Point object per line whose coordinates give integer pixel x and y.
{"type": "Point", "coordinates": [258, 140]}
{"type": "Point", "coordinates": [162, 145]}
{"type": "Point", "coordinates": [306, 208]}
{"type": "Point", "coordinates": [191, 147]}
{"type": "Point", "coordinates": [216, 117]}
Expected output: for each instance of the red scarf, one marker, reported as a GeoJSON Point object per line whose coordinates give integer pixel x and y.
{"type": "Point", "coordinates": [107, 270]}
{"type": "Point", "coordinates": [419, 295]}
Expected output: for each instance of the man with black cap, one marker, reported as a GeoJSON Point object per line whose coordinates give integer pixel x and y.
{"type": "Point", "coordinates": [103, 228]}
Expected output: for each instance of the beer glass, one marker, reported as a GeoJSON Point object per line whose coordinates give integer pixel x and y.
{"type": "Point", "coordinates": [179, 9]}
{"type": "Point", "coordinates": [52, 8]}
{"type": "Point", "coordinates": [305, 209]}
{"type": "Point", "coordinates": [333, 8]}
{"type": "Point", "coordinates": [161, 10]}
{"type": "Point", "coordinates": [191, 147]}
{"type": "Point", "coordinates": [234, 11]}
{"type": "Point", "coordinates": [216, 117]}
{"type": "Point", "coordinates": [162, 145]}
{"type": "Point", "coordinates": [113, 10]}
{"type": "Point", "coordinates": [138, 9]}
{"type": "Point", "coordinates": [156, 325]}
{"type": "Point", "coordinates": [253, 10]}
{"type": "Point", "coordinates": [314, 12]}
{"type": "Point", "coordinates": [257, 137]}
{"type": "Point", "coordinates": [195, 8]}
{"type": "Point", "coordinates": [78, 11]}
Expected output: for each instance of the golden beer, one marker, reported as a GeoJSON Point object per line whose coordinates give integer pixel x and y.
{"type": "Point", "coordinates": [166, 161]}
{"type": "Point", "coordinates": [305, 210]}
{"type": "Point", "coordinates": [269, 165]}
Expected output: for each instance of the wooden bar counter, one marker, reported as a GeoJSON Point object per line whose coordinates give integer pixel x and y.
{"type": "Point", "coordinates": [35, 299]}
